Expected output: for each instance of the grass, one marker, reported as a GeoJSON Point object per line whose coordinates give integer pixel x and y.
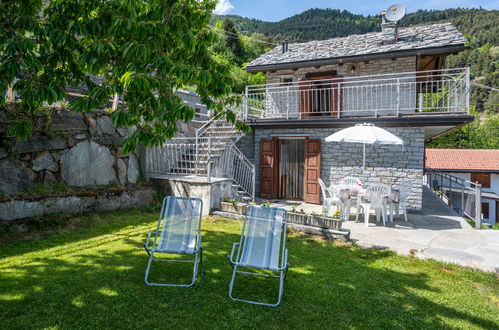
{"type": "Point", "coordinates": [90, 275]}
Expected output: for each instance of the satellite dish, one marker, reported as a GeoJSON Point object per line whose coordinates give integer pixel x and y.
{"type": "Point", "coordinates": [395, 12]}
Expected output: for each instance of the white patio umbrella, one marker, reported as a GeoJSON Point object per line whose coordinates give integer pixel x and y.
{"type": "Point", "coordinates": [365, 134]}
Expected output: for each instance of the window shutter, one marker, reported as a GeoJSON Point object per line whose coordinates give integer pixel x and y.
{"type": "Point", "coordinates": [312, 171]}
{"type": "Point", "coordinates": [268, 165]}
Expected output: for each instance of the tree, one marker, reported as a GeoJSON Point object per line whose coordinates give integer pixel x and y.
{"type": "Point", "coordinates": [482, 133]}
{"type": "Point", "coordinates": [232, 40]}
{"type": "Point", "coordinates": [142, 50]}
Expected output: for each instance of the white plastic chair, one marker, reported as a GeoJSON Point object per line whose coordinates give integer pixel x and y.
{"type": "Point", "coordinates": [404, 188]}
{"type": "Point", "coordinates": [328, 198]}
{"type": "Point", "coordinates": [350, 182]}
{"type": "Point", "coordinates": [374, 197]}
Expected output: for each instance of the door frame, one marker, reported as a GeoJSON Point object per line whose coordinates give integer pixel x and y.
{"type": "Point", "coordinates": [279, 138]}
{"type": "Point", "coordinates": [309, 167]}
{"type": "Point", "coordinates": [335, 93]}
{"type": "Point", "coordinates": [276, 164]}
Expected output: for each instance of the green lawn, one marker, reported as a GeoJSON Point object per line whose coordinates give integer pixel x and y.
{"type": "Point", "coordinates": [92, 276]}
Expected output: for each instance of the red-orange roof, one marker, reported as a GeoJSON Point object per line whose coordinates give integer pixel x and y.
{"type": "Point", "coordinates": [486, 160]}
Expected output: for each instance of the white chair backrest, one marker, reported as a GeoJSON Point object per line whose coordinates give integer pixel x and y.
{"type": "Point", "coordinates": [323, 189]}
{"type": "Point", "coordinates": [263, 232]}
{"type": "Point", "coordinates": [405, 188]}
{"type": "Point", "coordinates": [377, 192]}
{"type": "Point", "coordinates": [350, 181]}
{"type": "Point", "coordinates": [180, 222]}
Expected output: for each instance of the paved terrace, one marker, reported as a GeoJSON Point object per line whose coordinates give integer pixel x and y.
{"type": "Point", "coordinates": [435, 232]}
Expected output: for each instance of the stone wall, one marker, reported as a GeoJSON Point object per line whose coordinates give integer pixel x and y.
{"type": "Point", "coordinates": [23, 207]}
{"type": "Point", "coordinates": [357, 96]}
{"type": "Point", "coordinates": [247, 146]}
{"type": "Point", "coordinates": [79, 149]}
{"type": "Point", "coordinates": [384, 164]}
{"type": "Point", "coordinates": [381, 66]}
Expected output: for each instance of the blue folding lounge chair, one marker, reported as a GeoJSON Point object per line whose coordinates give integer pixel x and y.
{"type": "Point", "coordinates": [262, 246]}
{"type": "Point", "coordinates": [178, 232]}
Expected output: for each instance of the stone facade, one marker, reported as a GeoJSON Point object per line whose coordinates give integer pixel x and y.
{"type": "Point", "coordinates": [247, 146]}
{"type": "Point", "coordinates": [384, 164]}
{"type": "Point", "coordinates": [359, 97]}
{"type": "Point", "coordinates": [79, 149]}
{"type": "Point", "coordinates": [381, 66]}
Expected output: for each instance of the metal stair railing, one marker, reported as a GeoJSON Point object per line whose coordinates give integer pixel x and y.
{"type": "Point", "coordinates": [212, 151]}
{"type": "Point", "coordinates": [464, 197]}
{"type": "Point", "coordinates": [232, 163]}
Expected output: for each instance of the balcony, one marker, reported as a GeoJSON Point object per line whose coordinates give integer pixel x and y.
{"type": "Point", "coordinates": [396, 94]}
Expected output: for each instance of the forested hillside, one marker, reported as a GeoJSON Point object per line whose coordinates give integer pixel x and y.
{"type": "Point", "coordinates": [318, 24]}
{"type": "Point", "coordinates": [480, 27]}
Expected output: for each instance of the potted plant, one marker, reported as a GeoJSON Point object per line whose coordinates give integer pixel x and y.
{"type": "Point", "coordinates": [325, 221]}
{"type": "Point", "coordinates": [297, 216]}
{"type": "Point", "coordinates": [231, 205]}
{"type": "Point", "coordinates": [266, 204]}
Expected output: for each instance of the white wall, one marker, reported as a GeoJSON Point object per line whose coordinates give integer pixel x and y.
{"type": "Point", "coordinates": [492, 211]}
{"type": "Point", "coordinates": [494, 184]}
{"type": "Point", "coordinates": [494, 188]}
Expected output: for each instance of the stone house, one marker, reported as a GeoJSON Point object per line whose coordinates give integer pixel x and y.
{"type": "Point", "coordinates": [395, 80]}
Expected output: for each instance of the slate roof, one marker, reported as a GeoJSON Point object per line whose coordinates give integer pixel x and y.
{"type": "Point", "coordinates": [410, 38]}
{"type": "Point", "coordinates": [462, 160]}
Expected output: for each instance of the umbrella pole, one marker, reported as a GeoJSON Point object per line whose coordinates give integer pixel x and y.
{"type": "Point", "coordinates": [364, 160]}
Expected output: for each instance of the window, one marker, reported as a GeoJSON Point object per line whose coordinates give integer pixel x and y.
{"type": "Point", "coordinates": [481, 178]}
{"type": "Point", "coordinates": [485, 210]}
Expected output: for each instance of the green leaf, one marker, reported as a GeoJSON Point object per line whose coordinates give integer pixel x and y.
{"type": "Point", "coordinates": [21, 129]}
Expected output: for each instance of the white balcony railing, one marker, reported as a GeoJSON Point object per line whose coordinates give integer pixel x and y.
{"type": "Point", "coordinates": [394, 94]}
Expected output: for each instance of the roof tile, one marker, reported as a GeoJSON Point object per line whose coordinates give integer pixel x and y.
{"type": "Point", "coordinates": [413, 37]}
{"type": "Point", "coordinates": [486, 160]}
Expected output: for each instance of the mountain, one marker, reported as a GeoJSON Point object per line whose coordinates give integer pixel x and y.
{"type": "Point", "coordinates": [318, 24]}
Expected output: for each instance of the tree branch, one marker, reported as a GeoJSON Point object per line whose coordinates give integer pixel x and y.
{"type": "Point", "coordinates": [170, 14]}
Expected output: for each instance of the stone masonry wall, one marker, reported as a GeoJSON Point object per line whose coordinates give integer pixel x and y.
{"type": "Point", "coordinates": [357, 96]}
{"type": "Point", "coordinates": [247, 146]}
{"type": "Point", "coordinates": [384, 164]}
{"type": "Point", "coordinates": [79, 149]}
{"type": "Point", "coordinates": [381, 66]}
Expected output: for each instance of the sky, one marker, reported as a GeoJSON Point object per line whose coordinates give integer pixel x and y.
{"type": "Point", "coordinates": [275, 10]}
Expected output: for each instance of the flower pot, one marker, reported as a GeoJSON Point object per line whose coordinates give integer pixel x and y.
{"type": "Point", "coordinates": [324, 222]}
{"type": "Point", "coordinates": [239, 208]}
{"type": "Point", "coordinates": [298, 218]}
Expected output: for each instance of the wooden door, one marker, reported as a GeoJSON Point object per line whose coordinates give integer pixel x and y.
{"type": "Point", "coordinates": [312, 171]}
{"type": "Point", "coordinates": [320, 96]}
{"type": "Point", "coordinates": [268, 167]}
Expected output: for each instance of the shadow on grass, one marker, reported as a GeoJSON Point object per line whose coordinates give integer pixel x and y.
{"type": "Point", "coordinates": [78, 228]}
{"type": "Point", "coordinates": [98, 281]}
